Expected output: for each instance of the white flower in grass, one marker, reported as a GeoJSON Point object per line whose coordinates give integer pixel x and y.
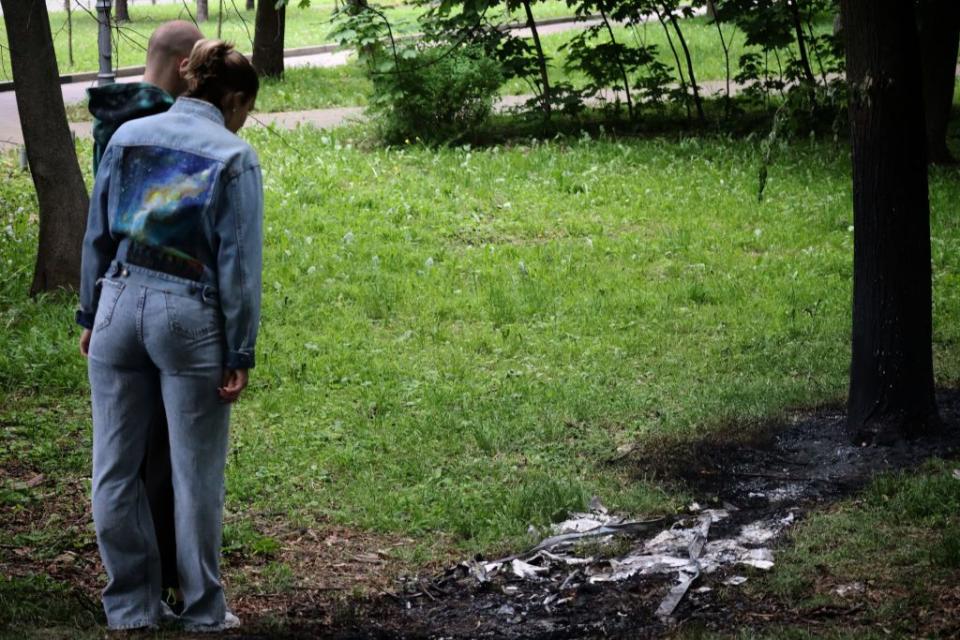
{"type": "Point", "coordinates": [523, 268]}
{"type": "Point", "coordinates": [348, 237]}
{"type": "Point", "coordinates": [758, 232]}
{"type": "Point", "coordinates": [312, 270]}
{"type": "Point", "coordinates": [589, 242]}
{"type": "Point", "coordinates": [850, 228]}
{"type": "Point", "coordinates": [376, 261]}
{"type": "Point", "coordinates": [309, 239]}
{"type": "Point", "coordinates": [428, 263]}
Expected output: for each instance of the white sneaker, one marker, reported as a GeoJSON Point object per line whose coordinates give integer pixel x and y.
{"type": "Point", "coordinates": [230, 621]}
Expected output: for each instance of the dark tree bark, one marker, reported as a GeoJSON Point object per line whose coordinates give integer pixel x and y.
{"type": "Point", "coordinates": [623, 71]}
{"type": "Point", "coordinates": [61, 194]}
{"type": "Point", "coordinates": [541, 58]}
{"type": "Point", "coordinates": [802, 45]}
{"type": "Point", "coordinates": [676, 57]}
{"type": "Point", "coordinates": [939, 40]}
{"type": "Point", "coordinates": [120, 11]}
{"type": "Point", "coordinates": [891, 371]}
{"type": "Point", "coordinates": [268, 39]}
{"type": "Point", "coordinates": [693, 79]}
{"type": "Point", "coordinates": [250, 5]}
{"type": "Point", "coordinates": [203, 11]}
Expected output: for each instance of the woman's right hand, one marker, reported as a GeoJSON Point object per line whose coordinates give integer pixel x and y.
{"type": "Point", "coordinates": [234, 381]}
{"type": "Point", "coordinates": [85, 342]}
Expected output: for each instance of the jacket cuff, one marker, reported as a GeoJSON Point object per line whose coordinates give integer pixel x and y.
{"type": "Point", "coordinates": [239, 360]}
{"type": "Point", "coordinates": [85, 319]}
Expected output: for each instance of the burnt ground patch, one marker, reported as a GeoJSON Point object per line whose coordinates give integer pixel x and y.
{"type": "Point", "coordinates": [784, 471]}
{"type": "Point", "coordinates": [803, 464]}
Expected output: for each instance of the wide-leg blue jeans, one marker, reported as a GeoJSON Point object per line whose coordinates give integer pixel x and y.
{"type": "Point", "coordinates": [158, 339]}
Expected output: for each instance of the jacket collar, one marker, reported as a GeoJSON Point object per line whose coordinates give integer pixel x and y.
{"type": "Point", "coordinates": [201, 108]}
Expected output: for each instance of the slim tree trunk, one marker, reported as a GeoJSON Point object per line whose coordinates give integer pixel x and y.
{"type": "Point", "coordinates": [67, 6]}
{"type": "Point", "coordinates": [541, 58]}
{"type": "Point", "coordinates": [623, 71]}
{"type": "Point", "coordinates": [676, 58]}
{"type": "Point", "coordinates": [203, 11]}
{"type": "Point", "coordinates": [891, 371]}
{"type": "Point", "coordinates": [120, 11]}
{"type": "Point", "coordinates": [250, 5]}
{"type": "Point", "coordinates": [802, 47]}
{"type": "Point", "coordinates": [61, 194]}
{"type": "Point", "coordinates": [715, 17]}
{"type": "Point", "coordinates": [939, 40]}
{"type": "Point", "coordinates": [268, 39]}
{"type": "Point", "coordinates": [693, 80]}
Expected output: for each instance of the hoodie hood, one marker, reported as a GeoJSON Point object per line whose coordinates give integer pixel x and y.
{"type": "Point", "coordinates": [114, 104]}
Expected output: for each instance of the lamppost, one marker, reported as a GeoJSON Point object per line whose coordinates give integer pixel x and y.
{"type": "Point", "coordinates": [106, 75]}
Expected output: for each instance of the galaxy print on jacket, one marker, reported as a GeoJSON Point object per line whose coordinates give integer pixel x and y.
{"type": "Point", "coordinates": [163, 196]}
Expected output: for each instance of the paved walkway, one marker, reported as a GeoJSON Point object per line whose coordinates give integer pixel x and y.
{"type": "Point", "coordinates": [11, 135]}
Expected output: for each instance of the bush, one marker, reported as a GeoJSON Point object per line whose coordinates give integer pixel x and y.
{"type": "Point", "coordinates": [435, 94]}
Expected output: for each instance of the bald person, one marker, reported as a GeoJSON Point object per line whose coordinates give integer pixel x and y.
{"type": "Point", "coordinates": [114, 104]}
{"type": "Point", "coordinates": [111, 106]}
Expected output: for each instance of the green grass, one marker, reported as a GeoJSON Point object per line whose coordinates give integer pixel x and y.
{"type": "Point", "coordinates": [455, 343]}
{"type": "Point", "coordinates": [899, 540]}
{"type": "Point", "coordinates": [304, 27]}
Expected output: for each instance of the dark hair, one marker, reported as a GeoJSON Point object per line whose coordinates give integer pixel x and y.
{"type": "Point", "coordinates": [216, 69]}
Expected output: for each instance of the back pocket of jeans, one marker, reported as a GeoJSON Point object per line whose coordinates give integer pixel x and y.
{"type": "Point", "coordinates": [110, 291]}
{"type": "Point", "coordinates": [191, 318]}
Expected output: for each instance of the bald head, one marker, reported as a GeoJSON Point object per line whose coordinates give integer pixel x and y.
{"type": "Point", "coordinates": [170, 44]}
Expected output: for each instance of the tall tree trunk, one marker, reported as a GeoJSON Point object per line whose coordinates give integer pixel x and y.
{"type": "Point", "coordinates": [68, 7]}
{"type": "Point", "coordinates": [61, 194]}
{"type": "Point", "coordinates": [891, 371]}
{"type": "Point", "coordinates": [623, 71]}
{"type": "Point", "coordinates": [250, 5]}
{"type": "Point", "coordinates": [939, 40]}
{"type": "Point", "coordinates": [203, 11]}
{"type": "Point", "coordinates": [686, 53]}
{"type": "Point", "coordinates": [676, 58]}
{"type": "Point", "coordinates": [541, 58]}
{"type": "Point", "coordinates": [120, 11]}
{"type": "Point", "coordinates": [268, 39]}
{"type": "Point", "coordinates": [802, 48]}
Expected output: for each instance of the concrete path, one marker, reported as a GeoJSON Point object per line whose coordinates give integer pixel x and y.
{"type": "Point", "coordinates": [320, 56]}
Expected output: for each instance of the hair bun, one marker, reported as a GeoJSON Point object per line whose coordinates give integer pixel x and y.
{"type": "Point", "coordinates": [207, 62]}
{"type": "Point", "coordinates": [215, 68]}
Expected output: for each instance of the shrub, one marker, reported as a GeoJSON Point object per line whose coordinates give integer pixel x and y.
{"type": "Point", "coordinates": [436, 94]}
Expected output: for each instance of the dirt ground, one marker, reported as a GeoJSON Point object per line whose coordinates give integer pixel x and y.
{"type": "Point", "coordinates": [349, 587]}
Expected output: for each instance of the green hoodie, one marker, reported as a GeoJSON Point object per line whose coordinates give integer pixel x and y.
{"type": "Point", "coordinates": [114, 104]}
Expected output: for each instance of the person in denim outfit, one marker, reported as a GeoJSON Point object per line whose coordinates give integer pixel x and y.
{"type": "Point", "coordinates": [113, 105]}
{"type": "Point", "coordinates": [170, 303]}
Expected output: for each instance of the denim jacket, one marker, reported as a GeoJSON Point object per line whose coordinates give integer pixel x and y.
{"type": "Point", "coordinates": [181, 186]}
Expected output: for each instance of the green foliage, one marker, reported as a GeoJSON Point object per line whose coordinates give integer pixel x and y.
{"type": "Point", "coordinates": [432, 91]}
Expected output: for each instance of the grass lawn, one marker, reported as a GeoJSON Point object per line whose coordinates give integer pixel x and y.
{"type": "Point", "coordinates": [455, 343]}
{"type": "Point", "coordinates": [307, 26]}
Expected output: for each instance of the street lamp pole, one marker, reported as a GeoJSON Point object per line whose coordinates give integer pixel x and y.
{"type": "Point", "coordinates": [106, 75]}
